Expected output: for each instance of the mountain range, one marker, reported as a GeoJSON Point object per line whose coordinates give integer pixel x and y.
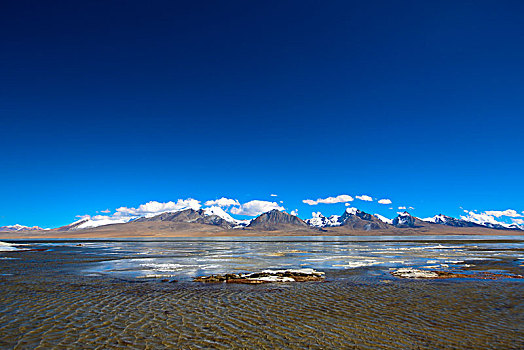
{"type": "Point", "coordinates": [214, 220]}
{"type": "Point", "coordinates": [16, 228]}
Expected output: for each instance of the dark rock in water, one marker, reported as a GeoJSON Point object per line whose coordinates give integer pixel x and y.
{"type": "Point", "coordinates": [266, 276]}
{"type": "Point", "coordinates": [167, 280]}
{"type": "Point", "coordinates": [216, 278]}
{"type": "Point", "coordinates": [275, 220]}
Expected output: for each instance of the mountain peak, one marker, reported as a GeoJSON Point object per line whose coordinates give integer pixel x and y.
{"type": "Point", "coordinates": [360, 220]}
{"type": "Point", "coordinates": [274, 220]}
{"type": "Point", "coordinates": [404, 220]}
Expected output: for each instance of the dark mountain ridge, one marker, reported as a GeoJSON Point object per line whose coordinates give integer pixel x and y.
{"type": "Point", "coordinates": [189, 216]}
{"type": "Point", "coordinates": [275, 220]}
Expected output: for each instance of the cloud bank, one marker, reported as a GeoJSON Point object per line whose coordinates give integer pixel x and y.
{"type": "Point", "coordinates": [343, 198]}
{"type": "Point", "coordinates": [154, 208]}
{"type": "Point", "coordinates": [508, 212]}
{"type": "Point", "coordinates": [364, 197]}
{"type": "Point", "coordinates": [222, 202]}
{"type": "Point", "coordinates": [124, 214]}
{"type": "Point", "coordinates": [493, 216]}
{"type": "Point", "coordinates": [255, 207]}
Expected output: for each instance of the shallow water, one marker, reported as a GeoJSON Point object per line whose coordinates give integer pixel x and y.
{"type": "Point", "coordinates": [187, 259]}
{"type": "Point", "coordinates": [93, 296]}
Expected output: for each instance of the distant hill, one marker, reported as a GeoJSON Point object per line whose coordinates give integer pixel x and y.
{"type": "Point", "coordinates": [359, 220]}
{"type": "Point", "coordinates": [275, 220]}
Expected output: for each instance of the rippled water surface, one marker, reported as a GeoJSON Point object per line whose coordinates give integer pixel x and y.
{"type": "Point", "coordinates": [109, 294]}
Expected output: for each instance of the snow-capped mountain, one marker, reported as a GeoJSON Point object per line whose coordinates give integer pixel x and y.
{"type": "Point", "coordinates": [502, 226]}
{"type": "Point", "coordinates": [95, 221]}
{"type": "Point", "coordinates": [352, 218]}
{"type": "Point", "coordinates": [319, 220]}
{"type": "Point", "coordinates": [358, 220]}
{"type": "Point", "coordinates": [218, 211]}
{"type": "Point", "coordinates": [449, 221]}
{"type": "Point", "coordinates": [212, 215]}
{"type": "Point", "coordinates": [404, 220]}
{"type": "Point", "coordinates": [17, 227]}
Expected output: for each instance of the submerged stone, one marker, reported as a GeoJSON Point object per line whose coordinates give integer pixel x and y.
{"type": "Point", "coordinates": [407, 272]}
{"type": "Point", "coordinates": [266, 276]}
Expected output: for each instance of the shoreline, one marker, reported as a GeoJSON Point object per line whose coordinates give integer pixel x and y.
{"type": "Point", "coordinates": [282, 238]}
{"type": "Point", "coordinates": [130, 235]}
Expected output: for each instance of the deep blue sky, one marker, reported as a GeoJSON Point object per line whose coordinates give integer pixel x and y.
{"type": "Point", "coordinates": [115, 103]}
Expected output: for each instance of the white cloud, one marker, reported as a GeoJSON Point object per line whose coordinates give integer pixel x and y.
{"type": "Point", "coordinates": [364, 198]}
{"type": "Point", "coordinates": [411, 208]}
{"type": "Point", "coordinates": [255, 207]}
{"type": "Point", "coordinates": [330, 200]}
{"type": "Point", "coordinates": [347, 204]}
{"type": "Point", "coordinates": [508, 212]}
{"type": "Point", "coordinates": [385, 201]}
{"type": "Point", "coordinates": [273, 195]}
{"type": "Point", "coordinates": [402, 208]}
{"type": "Point", "coordinates": [479, 218]}
{"type": "Point", "coordinates": [489, 217]}
{"type": "Point", "coordinates": [222, 202]}
{"type": "Point", "coordinates": [154, 208]}
{"type": "Point", "coordinates": [294, 212]}
{"type": "Point", "coordinates": [105, 211]}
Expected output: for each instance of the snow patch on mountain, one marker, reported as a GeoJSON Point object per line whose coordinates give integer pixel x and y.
{"type": "Point", "coordinates": [218, 211]}
{"type": "Point", "coordinates": [437, 219]}
{"type": "Point", "coordinates": [98, 220]}
{"type": "Point", "coordinates": [215, 210]}
{"type": "Point", "coordinates": [384, 219]}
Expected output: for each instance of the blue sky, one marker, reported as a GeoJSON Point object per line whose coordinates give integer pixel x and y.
{"type": "Point", "coordinates": [114, 104]}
